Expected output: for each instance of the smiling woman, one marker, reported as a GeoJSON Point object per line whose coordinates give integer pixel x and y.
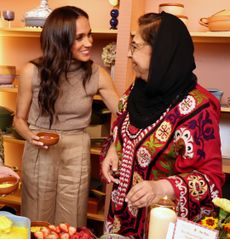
{"type": "Point", "coordinates": [55, 95]}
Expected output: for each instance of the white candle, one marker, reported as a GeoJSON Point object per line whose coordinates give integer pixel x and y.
{"type": "Point", "coordinates": [160, 217]}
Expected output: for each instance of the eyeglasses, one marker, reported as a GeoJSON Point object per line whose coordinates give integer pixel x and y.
{"type": "Point", "coordinates": [136, 46]}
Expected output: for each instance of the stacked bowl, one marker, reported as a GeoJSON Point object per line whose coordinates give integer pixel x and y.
{"type": "Point", "coordinates": [7, 74]}
{"type": "Point", "coordinates": [176, 9]}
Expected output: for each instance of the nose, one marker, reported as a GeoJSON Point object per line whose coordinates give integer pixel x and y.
{"type": "Point", "coordinates": [88, 41]}
{"type": "Point", "coordinates": [130, 55]}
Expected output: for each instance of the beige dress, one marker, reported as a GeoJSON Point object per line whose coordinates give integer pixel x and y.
{"type": "Point", "coordinates": [56, 181]}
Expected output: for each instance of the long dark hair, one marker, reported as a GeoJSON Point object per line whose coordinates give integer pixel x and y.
{"type": "Point", "coordinates": [57, 38]}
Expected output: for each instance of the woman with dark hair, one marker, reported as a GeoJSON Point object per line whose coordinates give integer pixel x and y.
{"type": "Point", "coordinates": [56, 94]}
{"type": "Point", "coordinates": [166, 138]}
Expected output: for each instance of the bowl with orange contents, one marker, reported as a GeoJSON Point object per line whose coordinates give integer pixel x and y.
{"type": "Point", "coordinates": [48, 138]}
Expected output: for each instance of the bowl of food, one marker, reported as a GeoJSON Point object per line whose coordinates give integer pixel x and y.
{"type": "Point", "coordinates": [37, 226]}
{"type": "Point", "coordinates": [8, 184]}
{"type": "Point", "coordinates": [48, 138]}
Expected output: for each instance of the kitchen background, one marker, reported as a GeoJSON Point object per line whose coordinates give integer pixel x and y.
{"type": "Point", "coordinates": [212, 59]}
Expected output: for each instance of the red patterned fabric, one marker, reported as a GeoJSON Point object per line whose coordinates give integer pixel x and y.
{"type": "Point", "coordinates": [183, 146]}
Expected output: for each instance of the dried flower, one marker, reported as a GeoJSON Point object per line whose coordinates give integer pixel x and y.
{"type": "Point", "coordinates": [109, 54]}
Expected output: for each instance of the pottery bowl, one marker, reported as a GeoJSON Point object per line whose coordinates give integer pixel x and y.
{"type": "Point", "coordinates": [7, 74]}
{"type": "Point", "coordinates": [217, 22]}
{"type": "Point", "coordinates": [172, 8]}
{"type": "Point", "coordinates": [8, 184]}
{"type": "Point", "coordinates": [48, 138]}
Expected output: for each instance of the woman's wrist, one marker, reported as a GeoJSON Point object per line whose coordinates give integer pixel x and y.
{"type": "Point", "coordinates": [163, 188]}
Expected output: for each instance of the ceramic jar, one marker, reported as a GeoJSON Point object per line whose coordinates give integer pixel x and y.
{"type": "Point", "coordinates": [172, 8]}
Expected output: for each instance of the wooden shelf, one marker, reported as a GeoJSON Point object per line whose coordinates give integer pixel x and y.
{"type": "Point", "coordinates": [97, 217]}
{"type": "Point", "coordinates": [210, 37]}
{"type": "Point", "coordinates": [12, 198]}
{"type": "Point", "coordinates": [35, 32]}
{"type": "Point", "coordinates": [15, 199]}
{"type": "Point", "coordinates": [15, 90]}
{"type": "Point", "coordinates": [9, 89]}
{"type": "Point", "coordinates": [226, 165]}
{"type": "Point", "coordinates": [225, 109]}
{"type": "Point", "coordinates": [9, 138]}
{"type": "Point", "coordinates": [206, 37]}
{"type": "Point", "coordinates": [97, 150]}
{"type": "Point", "coordinates": [97, 97]}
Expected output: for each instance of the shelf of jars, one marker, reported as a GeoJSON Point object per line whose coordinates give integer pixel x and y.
{"type": "Point", "coordinates": [35, 32]}
{"type": "Point", "coordinates": [206, 37]}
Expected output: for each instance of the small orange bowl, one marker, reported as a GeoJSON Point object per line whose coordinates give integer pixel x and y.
{"type": "Point", "coordinates": [48, 138]}
{"type": "Point", "coordinates": [8, 184]}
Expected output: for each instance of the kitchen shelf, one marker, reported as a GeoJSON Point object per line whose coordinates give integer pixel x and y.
{"type": "Point", "coordinates": [211, 37]}
{"type": "Point", "coordinates": [97, 216]}
{"type": "Point", "coordinates": [224, 109]}
{"type": "Point", "coordinates": [200, 37]}
{"type": "Point", "coordinates": [9, 138]}
{"type": "Point", "coordinates": [9, 89]}
{"type": "Point", "coordinates": [226, 165]}
{"type": "Point", "coordinates": [15, 199]}
{"type": "Point", "coordinates": [208, 37]}
{"type": "Point", "coordinates": [35, 32]}
{"type": "Point", "coordinates": [97, 150]}
{"type": "Point", "coordinates": [15, 90]}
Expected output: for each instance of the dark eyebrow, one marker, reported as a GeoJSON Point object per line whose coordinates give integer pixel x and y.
{"type": "Point", "coordinates": [83, 34]}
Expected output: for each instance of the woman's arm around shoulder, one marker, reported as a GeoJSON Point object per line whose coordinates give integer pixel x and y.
{"type": "Point", "coordinates": [107, 91]}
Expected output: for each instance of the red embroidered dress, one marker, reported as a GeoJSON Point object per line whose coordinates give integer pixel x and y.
{"type": "Point", "coordinates": [182, 146]}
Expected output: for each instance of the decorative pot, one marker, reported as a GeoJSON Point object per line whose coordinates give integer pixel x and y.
{"type": "Point", "coordinates": [220, 21]}
{"type": "Point", "coordinates": [172, 8]}
{"type": "Point", "coordinates": [7, 74]}
{"type": "Point", "coordinates": [37, 16]}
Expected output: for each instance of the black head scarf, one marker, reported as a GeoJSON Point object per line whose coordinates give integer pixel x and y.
{"type": "Point", "coordinates": [170, 73]}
